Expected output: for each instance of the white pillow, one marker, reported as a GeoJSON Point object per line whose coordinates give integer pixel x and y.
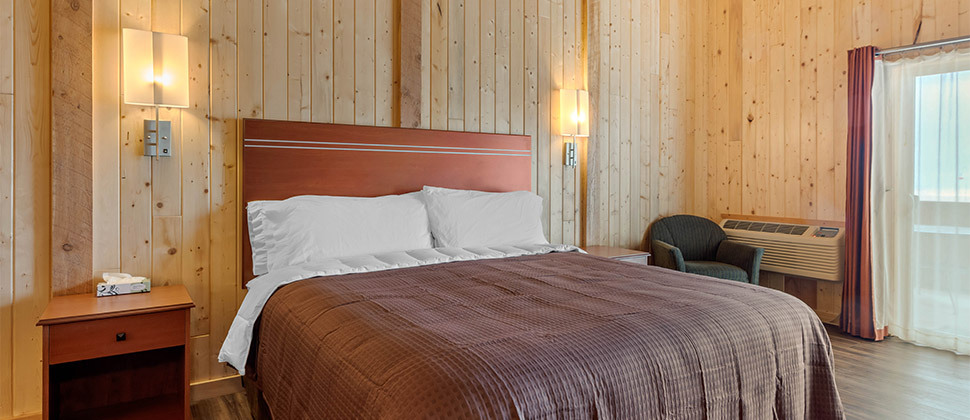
{"type": "Point", "coordinates": [461, 218]}
{"type": "Point", "coordinates": [305, 228]}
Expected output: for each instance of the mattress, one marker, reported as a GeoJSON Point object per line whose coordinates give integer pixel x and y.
{"type": "Point", "coordinates": [558, 335]}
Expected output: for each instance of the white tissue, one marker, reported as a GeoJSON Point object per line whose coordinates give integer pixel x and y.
{"type": "Point", "coordinates": [121, 278]}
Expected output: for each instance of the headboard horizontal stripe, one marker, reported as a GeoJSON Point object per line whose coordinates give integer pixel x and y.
{"type": "Point", "coordinates": [391, 150]}
{"type": "Point", "coordinates": [484, 149]}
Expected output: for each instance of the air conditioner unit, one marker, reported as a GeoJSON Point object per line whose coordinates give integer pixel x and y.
{"type": "Point", "coordinates": [799, 250]}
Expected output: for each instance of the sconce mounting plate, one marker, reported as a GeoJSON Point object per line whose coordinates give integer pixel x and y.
{"type": "Point", "coordinates": [570, 151]}
{"type": "Point", "coordinates": [158, 142]}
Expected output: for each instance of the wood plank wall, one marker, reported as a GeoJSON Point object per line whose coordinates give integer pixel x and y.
{"type": "Point", "coordinates": [25, 187]}
{"type": "Point", "coordinates": [772, 90]}
{"type": "Point", "coordinates": [487, 65]}
{"type": "Point", "coordinates": [640, 63]}
{"type": "Point", "coordinates": [770, 107]}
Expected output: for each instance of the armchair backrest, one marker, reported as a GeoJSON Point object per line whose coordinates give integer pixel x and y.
{"type": "Point", "coordinates": [697, 237]}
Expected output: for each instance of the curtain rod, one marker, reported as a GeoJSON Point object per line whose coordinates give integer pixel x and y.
{"type": "Point", "coordinates": [931, 44]}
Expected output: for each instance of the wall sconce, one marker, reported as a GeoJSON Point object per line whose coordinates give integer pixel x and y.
{"type": "Point", "coordinates": [156, 73]}
{"type": "Point", "coordinates": [574, 121]}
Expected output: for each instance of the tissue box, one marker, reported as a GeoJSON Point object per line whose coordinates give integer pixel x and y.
{"type": "Point", "coordinates": [106, 289]}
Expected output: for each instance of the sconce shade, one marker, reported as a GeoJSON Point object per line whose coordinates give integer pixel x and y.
{"type": "Point", "coordinates": [155, 68]}
{"type": "Point", "coordinates": [574, 106]}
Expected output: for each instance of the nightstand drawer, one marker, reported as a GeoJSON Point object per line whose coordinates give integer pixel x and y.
{"type": "Point", "coordinates": [111, 336]}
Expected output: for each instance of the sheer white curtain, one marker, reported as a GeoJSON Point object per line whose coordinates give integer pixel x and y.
{"type": "Point", "coordinates": [921, 199]}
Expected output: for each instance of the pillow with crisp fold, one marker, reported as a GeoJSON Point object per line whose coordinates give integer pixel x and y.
{"type": "Point", "coordinates": [463, 219]}
{"type": "Point", "coordinates": [306, 228]}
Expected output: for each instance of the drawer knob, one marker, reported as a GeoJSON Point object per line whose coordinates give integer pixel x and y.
{"type": "Point", "coordinates": [120, 336]}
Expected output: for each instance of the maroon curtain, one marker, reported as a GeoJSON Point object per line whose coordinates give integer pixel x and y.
{"type": "Point", "coordinates": [856, 318]}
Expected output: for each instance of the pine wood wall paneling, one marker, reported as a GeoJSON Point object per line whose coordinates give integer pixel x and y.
{"type": "Point", "coordinates": [543, 101]}
{"type": "Point", "coordinates": [275, 59]}
{"type": "Point", "coordinates": [106, 147]}
{"type": "Point", "coordinates": [321, 45]}
{"type": "Point", "coordinates": [613, 124]}
{"type": "Point", "coordinates": [166, 188]}
{"type": "Point", "coordinates": [551, 48]}
{"type": "Point", "coordinates": [531, 116]}
{"type": "Point", "coordinates": [516, 67]}
{"type": "Point", "coordinates": [31, 203]}
{"type": "Point", "coordinates": [597, 36]}
{"type": "Point", "coordinates": [793, 114]}
{"type": "Point", "coordinates": [410, 44]}
{"type": "Point", "coordinates": [762, 146]}
{"type": "Point", "coordinates": [625, 120]}
{"type": "Point", "coordinates": [472, 70]}
{"type": "Point", "coordinates": [570, 75]}
{"type": "Point", "coordinates": [6, 47]}
{"type": "Point", "coordinates": [71, 147]}
{"type": "Point", "coordinates": [809, 109]}
{"type": "Point", "coordinates": [455, 65]}
{"type": "Point", "coordinates": [6, 251]}
{"type": "Point", "coordinates": [711, 124]}
{"type": "Point", "coordinates": [640, 153]}
{"type": "Point", "coordinates": [776, 110]}
{"type": "Point", "coordinates": [195, 269]}
{"type": "Point", "coordinates": [701, 78]}
{"type": "Point", "coordinates": [387, 66]}
{"type": "Point", "coordinates": [298, 58]}
{"type": "Point", "coordinates": [487, 88]}
{"type": "Point", "coordinates": [805, 70]}
{"type": "Point", "coordinates": [364, 62]}
{"type": "Point", "coordinates": [826, 201]}
{"type": "Point", "coordinates": [440, 75]}
{"type": "Point", "coordinates": [426, 43]}
{"type": "Point", "coordinates": [840, 73]}
{"type": "Point", "coordinates": [223, 141]}
{"type": "Point", "coordinates": [636, 120]}
{"type": "Point", "coordinates": [749, 103]}
{"type": "Point", "coordinates": [964, 16]}
{"type": "Point", "coordinates": [343, 62]}
{"type": "Point", "coordinates": [503, 51]}
{"type": "Point", "coordinates": [136, 169]}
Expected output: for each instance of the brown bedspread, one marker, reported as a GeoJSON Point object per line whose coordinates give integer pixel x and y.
{"type": "Point", "coordinates": [548, 336]}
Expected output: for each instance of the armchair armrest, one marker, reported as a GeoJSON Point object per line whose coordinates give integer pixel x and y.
{"type": "Point", "coordinates": [745, 256]}
{"type": "Point", "coordinates": [667, 256]}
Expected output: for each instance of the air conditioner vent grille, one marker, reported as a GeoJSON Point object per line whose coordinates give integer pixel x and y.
{"type": "Point", "coordinates": [798, 250]}
{"type": "Point", "coordinates": [797, 230]}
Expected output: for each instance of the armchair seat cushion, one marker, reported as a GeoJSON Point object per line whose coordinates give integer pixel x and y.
{"type": "Point", "coordinates": [717, 269]}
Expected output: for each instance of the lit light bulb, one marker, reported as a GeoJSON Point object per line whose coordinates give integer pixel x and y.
{"type": "Point", "coordinates": [163, 79]}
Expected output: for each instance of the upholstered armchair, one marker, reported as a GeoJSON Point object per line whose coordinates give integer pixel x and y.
{"type": "Point", "coordinates": [697, 245]}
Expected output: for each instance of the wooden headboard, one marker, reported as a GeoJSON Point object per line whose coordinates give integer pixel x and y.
{"type": "Point", "coordinates": [282, 159]}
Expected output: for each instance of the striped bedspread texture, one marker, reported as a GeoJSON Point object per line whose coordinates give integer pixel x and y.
{"type": "Point", "coordinates": [551, 336]}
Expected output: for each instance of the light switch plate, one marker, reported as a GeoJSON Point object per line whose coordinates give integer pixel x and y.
{"type": "Point", "coordinates": [160, 140]}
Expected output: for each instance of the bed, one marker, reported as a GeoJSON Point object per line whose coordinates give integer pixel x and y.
{"type": "Point", "coordinates": [516, 331]}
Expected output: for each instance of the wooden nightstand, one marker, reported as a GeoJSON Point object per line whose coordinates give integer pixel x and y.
{"type": "Point", "coordinates": [117, 357]}
{"type": "Point", "coordinates": [622, 254]}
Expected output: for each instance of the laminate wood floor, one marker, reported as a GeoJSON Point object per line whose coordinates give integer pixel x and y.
{"type": "Point", "coordinates": [887, 380]}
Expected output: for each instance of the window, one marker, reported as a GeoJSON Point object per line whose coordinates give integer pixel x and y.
{"type": "Point", "coordinates": [942, 148]}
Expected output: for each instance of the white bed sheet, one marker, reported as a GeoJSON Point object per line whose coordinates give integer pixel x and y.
{"type": "Point", "coordinates": [235, 349]}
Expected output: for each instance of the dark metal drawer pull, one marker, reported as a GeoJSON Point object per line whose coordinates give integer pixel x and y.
{"type": "Point", "coordinates": [120, 336]}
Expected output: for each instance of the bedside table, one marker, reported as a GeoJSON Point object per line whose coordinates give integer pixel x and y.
{"type": "Point", "coordinates": [117, 357]}
{"type": "Point", "coordinates": [622, 254]}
